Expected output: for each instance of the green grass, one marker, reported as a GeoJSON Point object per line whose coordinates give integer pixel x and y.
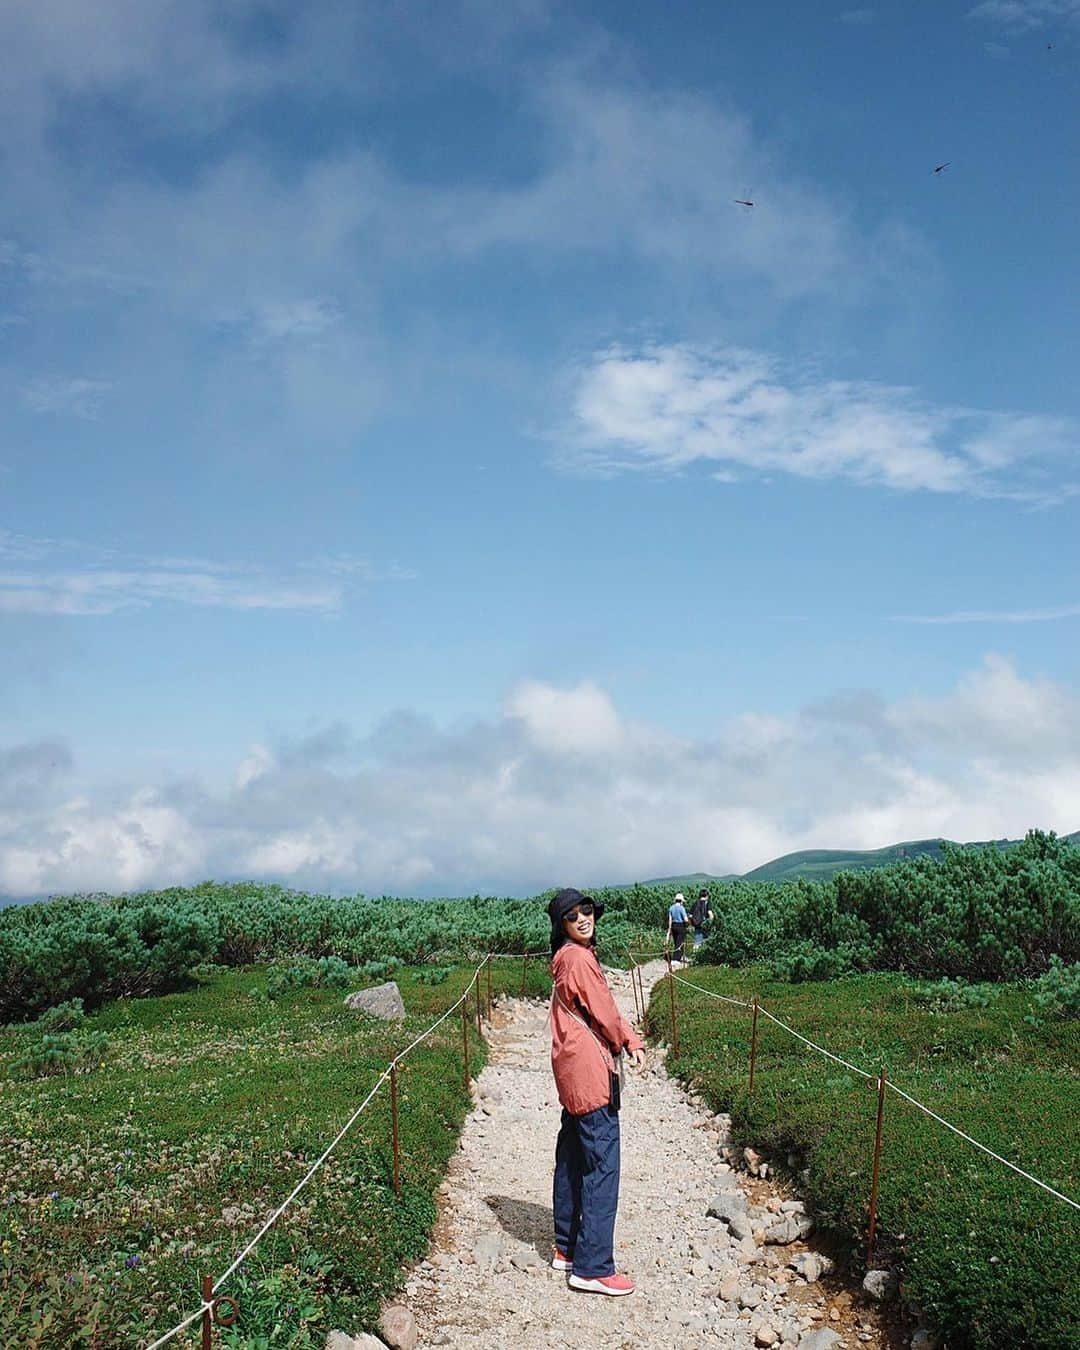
{"type": "Point", "coordinates": [120, 1187]}
{"type": "Point", "coordinates": [988, 1256]}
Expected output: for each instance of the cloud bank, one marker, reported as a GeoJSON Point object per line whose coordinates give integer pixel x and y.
{"type": "Point", "coordinates": [557, 787]}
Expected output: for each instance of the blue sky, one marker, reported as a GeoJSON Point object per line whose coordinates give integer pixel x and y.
{"type": "Point", "coordinates": [418, 473]}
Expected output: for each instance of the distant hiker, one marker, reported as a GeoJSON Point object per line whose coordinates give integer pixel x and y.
{"type": "Point", "coordinates": [587, 1034]}
{"type": "Point", "coordinates": [700, 915]}
{"type": "Point", "coordinates": [677, 919]}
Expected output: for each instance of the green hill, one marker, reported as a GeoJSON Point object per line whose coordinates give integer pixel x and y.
{"type": "Point", "coordinates": [821, 864]}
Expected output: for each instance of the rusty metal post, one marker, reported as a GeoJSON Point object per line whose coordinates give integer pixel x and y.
{"type": "Point", "coordinates": [753, 1045]}
{"type": "Point", "coordinates": [877, 1166]}
{"type": "Point", "coordinates": [207, 1317]}
{"type": "Point", "coordinates": [465, 1036]}
{"type": "Point", "coordinates": [674, 1019]}
{"type": "Point", "coordinates": [394, 1130]}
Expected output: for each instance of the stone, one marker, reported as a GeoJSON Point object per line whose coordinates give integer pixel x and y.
{"type": "Point", "coordinates": [823, 1339]}
{"type": "Point", "coordinates": [753, 1159]}
{"type": "Point", "coordinates": [879, 1284]}
{"type": "Point", "coordinates": [750, 1297]}
{"type": "Point", "coordinates": [739, 1226]}
{"type": "Point", "coordinates": [487, 1249]}
{"type": "Point", "coordinates": [792, 1207]}
{"type": "Point", "coordinates": [338, 1340]}
{"type": "Point", "coordinates": [925, 1339]}
{"type": "Point", "coordinates": [811, 1265]}
{"type": "Point", "coordinates": [381, 1000]}
{"type": "Point", "coordinates": [527, 1260]}
{"type": "Point", "coordinates": [729, 1287]}
{"type": "Point", "coordinates": [765, 1335]}
{"type": "Point", "coordinates": [790, 1228]}
{"type": "Point", "coordinates": [398, 1327]}
{"type": "Point", "coordinates": [726, 1204]}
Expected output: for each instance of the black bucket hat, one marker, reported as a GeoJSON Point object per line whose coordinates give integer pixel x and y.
{"type": "Point", "coordinates": [560, 904]}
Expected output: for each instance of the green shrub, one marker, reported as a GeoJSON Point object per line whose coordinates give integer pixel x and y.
{"type": "Point", "coordinates": [951, 995]}
{"type": "Point", "coordinates": [61, 1052]}
{"type": "Point", "coordinates": [1057, 993]}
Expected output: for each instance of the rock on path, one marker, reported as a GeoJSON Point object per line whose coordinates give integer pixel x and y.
{"type": "Point", "coordinates": [487, 1279]}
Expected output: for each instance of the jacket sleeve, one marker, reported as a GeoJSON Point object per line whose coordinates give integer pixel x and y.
{"type": "Point", "coordinates": [588, 988]}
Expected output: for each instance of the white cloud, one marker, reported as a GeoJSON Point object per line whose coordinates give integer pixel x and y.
{"type": "Point", "coordinates": [560, 786]}
{"type": "Point", "coordinates": [1024, 15]}
{"type": "Point", "coordinates": [1049, 614]}
{"type": "Point", "coordinates": [666, 407]}
{"type": "Point", "coordinates": [78, 396]}
{"type": "Point", "coordinates": [107, 582]}
{"type": "Point", "coordinates": [567, 721]}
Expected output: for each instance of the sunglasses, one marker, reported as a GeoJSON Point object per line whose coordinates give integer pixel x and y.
{"type": "Point", "coordinates": [586, 909]}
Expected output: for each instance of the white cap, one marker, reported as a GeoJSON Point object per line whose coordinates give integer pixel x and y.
{"type": "Point", "coordinates": [679, 896]}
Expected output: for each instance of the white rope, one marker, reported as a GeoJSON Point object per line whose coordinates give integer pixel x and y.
{"type": "Point", "coordinates": [814, 1046]}
{"type": "Point", "coordinates": [318, 1163]}
{"type": "Point", "coordinates": [989, 1151]}
{"type": "Point", "coordinates": [723, 998]}
{"type": "Point", "coordinates": [899, 1091]}
{"type": "Point", "coordinates": [179, 1326]}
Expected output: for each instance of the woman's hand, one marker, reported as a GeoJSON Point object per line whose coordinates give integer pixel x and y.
{"type": "Point", "coordinates": [637, 1059]}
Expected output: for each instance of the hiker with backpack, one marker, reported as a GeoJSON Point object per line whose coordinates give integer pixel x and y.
{"type": "Point", "coordinates": [701, 915]}
{"type": "Point", "coordinates": [588, 1034]}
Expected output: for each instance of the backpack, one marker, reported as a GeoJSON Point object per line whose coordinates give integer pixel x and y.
{"type": "Point", "coordinates": [699, 913]}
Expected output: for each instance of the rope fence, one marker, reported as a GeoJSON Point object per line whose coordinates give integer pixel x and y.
{"type": "Point", "coordinates": [884, 1085]}
{"type": "Point", "coordinates": [222, 1310]}
{"type": "Point", "coordinates": [212, 1308]}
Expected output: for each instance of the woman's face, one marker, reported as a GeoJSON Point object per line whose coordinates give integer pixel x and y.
{"type": "Point", "coordinates": [578, 926]}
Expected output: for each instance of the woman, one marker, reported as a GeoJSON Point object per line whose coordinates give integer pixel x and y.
{"type": "Point", "coordinates": [587, 1032]}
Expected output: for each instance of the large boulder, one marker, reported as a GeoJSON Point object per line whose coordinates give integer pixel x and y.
{"type": "Point", "coordinates": [381, 1000]}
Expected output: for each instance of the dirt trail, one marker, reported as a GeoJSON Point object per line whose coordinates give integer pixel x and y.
{"type": "Point", "coordinates": [487, 1279]}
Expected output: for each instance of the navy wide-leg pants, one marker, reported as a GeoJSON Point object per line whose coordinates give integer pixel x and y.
{"type": "Point", "coordinates": [585, 1194]}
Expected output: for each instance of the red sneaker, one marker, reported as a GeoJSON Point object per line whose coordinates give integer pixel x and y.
{"type": "Point", "coordinates": [614, 1285]}
{"type": "Point", "coordinates": [561, 1262]}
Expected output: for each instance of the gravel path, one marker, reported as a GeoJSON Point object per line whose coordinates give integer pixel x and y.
{"type": "Point", "coordinates": [487, 1279]}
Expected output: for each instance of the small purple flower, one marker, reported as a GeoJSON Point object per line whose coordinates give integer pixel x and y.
{"type": "Point", "coordinates": [132, 1261]}
{"type": "Point", "coordinates": [54, 1195]}
{"type": "Point", "coordinates": [127, 1153]}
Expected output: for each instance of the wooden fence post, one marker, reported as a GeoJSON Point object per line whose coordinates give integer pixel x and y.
{"type": "Point", "coordinates": [208, 1314]}
{"type": "Point", "coordinates": [479, 1022]}
{"type": "Point", "coordinates": [753, 1045]}
{"type": "Point", "coordinates": [674, 1015]}
{"type": "Point", "coordinates": [465, 1035]}
{"type": "Point", "coordinates": [524, 969]}
{"type": "Point", "coordinates": [489, 990]}
{"type": "Point", "coordinates": [877, 1166]}
{"type": "Point", "coordinates": [633, 984]}
{"type": "Point", "coordinates": [394, 1130]}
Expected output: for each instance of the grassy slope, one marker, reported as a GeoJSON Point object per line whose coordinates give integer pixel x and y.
{"type": "Point", "coordinates": [121, 1186]}
{"type": "Point", "coordinates": [985, 1253]}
